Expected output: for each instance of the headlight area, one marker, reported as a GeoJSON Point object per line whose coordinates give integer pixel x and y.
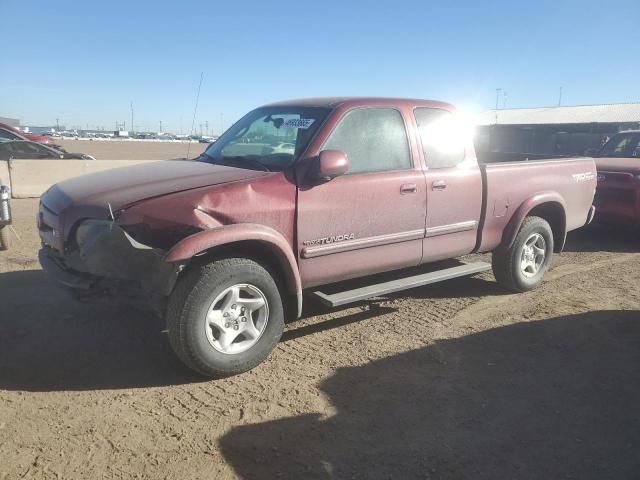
{"type": "Point", "coordinates": [107, 251]}
{"type": "Point", "coordinates": [83, 229]}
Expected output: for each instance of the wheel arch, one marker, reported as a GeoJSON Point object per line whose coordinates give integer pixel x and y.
{"type": "Point", "coordinates": [262, 244]}
{"type": "Point", "coordinates": [549, 206]}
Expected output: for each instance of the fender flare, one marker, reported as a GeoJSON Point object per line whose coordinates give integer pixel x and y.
{"type": "Point", "coordinates": [541, 198]}
{"type": "Point", "coordinates": [199, 242]}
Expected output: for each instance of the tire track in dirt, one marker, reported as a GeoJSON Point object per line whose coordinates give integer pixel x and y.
{"type": "Point", "coordinates": [488, 307]}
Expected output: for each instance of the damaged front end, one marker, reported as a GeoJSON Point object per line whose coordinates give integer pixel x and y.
{"type": "Point", "coordinates": [103, 260]}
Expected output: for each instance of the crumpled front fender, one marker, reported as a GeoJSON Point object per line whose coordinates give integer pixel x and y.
{"type": "Point", "coordinates": [215, 237]}
{"type": "Point", "coordinates": [108, 251]}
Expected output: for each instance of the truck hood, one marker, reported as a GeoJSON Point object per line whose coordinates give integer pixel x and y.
{"type": "Point", "coordinates": [616, 164]}
{"type": "Point", "coordinates": [121, 187]}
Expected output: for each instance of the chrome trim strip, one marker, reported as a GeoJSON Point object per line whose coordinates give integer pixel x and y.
{"type": "Point", "coordinates": [377, 241]}
{"type": "Point", "coordinates": [451, 228]}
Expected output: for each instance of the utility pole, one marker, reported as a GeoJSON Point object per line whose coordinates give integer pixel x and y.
{"type": "Point", "coordinates": [206, 126]}
{"type": "Point", "coordinates": [504, 99]}
{"type": "Point", "coordinates": [498, 90]}
{"type": "Point", "coordinates": [132, 127]}
{"type": "Point", "coordinates": [57, 124]}
{"type": "Point", "coordinates": [160, 127]}
{"type": "Point", "coordinates": [560, 98]}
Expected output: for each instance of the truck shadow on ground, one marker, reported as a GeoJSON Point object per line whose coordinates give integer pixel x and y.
{"type": "Point", "coordinates": [50, 342]}
{"type": "Point", "coordinates": [603, 238]}
{"type": "Point", "coordinates": [555, 398]}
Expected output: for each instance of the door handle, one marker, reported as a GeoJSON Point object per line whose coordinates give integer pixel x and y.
{"type": "Point", "coordinates": [439, 185]}
{"type": "Point", "coordinates": [408, 188]}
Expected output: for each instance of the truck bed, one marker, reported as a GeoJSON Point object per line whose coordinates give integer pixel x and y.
{"type": "Point", "coordinates": [508, 184]}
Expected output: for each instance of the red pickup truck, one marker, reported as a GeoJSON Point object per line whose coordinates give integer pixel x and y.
{"type": "Point", "coordinates": [298, 195]}
{"type": "Point", "coordinates": [618, 193]}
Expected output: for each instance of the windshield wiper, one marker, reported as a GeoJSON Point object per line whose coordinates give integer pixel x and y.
{"type": "Point", "coordinates": [247, 161]}
{"type": "Point", "coordinates": [238, 159]}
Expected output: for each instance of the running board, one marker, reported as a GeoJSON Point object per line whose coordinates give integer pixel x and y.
{"type": "Point", "coordinates": [357, 294]}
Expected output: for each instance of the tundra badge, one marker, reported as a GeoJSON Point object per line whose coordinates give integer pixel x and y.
{"type": "Point", "coordinates": [331, 239]}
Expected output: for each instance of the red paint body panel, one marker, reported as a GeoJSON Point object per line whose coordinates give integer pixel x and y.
{"type": "Point", "coordinates": [516, 188]}
{"type": "Point", "coordinates": [323, 232]}
{"type": "Point", "coordinates": [364, 206]}
{"type": "Point", "coordinates": [368, 206]}
{"type": "Point", "coordinates": [618, 193]}
{"type": "Point", "coordinates": [460, 203]}
{"type": "Point", "coordinates": [89, 196]}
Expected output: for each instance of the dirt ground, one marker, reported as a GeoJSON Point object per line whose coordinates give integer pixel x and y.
{"type": "Point", "coordinates": [459, 380]}
{"type": "Point", "coordinates": [132, 149]}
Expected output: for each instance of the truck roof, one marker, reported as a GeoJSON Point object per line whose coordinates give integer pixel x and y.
{"type": "Point", "coordinates": [333, 102]}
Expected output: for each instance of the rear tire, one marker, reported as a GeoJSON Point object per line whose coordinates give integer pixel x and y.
{"type": "Point", "coordinates": [210, 336]}
{"type": "Point", "coordinates": [4, 238]}
{"type": "Point", "coordinates": [522, 266]}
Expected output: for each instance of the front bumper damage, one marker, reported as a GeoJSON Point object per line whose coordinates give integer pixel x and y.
{"type": "Point", "coordinates": [110, 263]}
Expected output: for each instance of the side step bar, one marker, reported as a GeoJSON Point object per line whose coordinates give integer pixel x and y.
{"type": "Point", "coordinates": [357, 294]}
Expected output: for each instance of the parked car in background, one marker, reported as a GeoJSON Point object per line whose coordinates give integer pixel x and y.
{"type": "Point", "coordinates": [294, 197]}
{"type": "Point", "coordinates": [5, 215]}
{"type": "Point", "coordinates": [7, 132]}
{"type": "Point", "coordinates": [618, 193]}
{"type": "Point", "coordinates": [24, 149]}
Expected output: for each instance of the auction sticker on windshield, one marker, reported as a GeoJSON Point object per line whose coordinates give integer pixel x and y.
{"type": "Point", "coordinates": [302, 123]}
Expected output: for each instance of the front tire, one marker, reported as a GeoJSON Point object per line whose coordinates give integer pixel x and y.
{"type": "Point", "coordinates": [225, 317]}
{"type": "Point", "coordinates": [522, 266]}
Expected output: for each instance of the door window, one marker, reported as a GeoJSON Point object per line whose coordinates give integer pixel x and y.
{"type": "Point", "coordinates": [374, 140]}
{"type": "Point", "coordinates": [29, 150]}
{"type": "Point", "coordinates": [7, 135]}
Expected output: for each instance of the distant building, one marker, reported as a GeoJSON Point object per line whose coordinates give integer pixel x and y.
{"type": "Point", "coordinates": [14, 122]}
{"type": "Point", "coordinates": [554, 130]}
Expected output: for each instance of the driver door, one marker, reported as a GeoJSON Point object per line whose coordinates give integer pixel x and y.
{"type": "Point", "coordinates": [372, 218]}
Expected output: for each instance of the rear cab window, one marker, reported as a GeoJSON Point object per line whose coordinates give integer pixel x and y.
{"type": "Point", "coordinates": [442, 137]}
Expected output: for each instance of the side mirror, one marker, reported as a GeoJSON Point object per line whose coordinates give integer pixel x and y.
{"type": "Point", "coordinates": [332, 163]}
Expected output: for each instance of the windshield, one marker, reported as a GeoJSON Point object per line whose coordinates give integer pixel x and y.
{"type": "Point", "coordinates": [268, 138]}
{"type": "Point", "coordinates": [625, 145]}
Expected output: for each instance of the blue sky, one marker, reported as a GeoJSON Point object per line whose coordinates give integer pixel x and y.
{"type": "Point", "coordinates": [83, 62]}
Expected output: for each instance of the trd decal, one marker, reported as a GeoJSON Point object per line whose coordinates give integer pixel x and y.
{"type": "Point", "coordinates": [583, 177]}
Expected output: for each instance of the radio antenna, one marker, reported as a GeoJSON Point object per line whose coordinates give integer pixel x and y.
{"type": "Point", "coordinates": [195, 109]}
